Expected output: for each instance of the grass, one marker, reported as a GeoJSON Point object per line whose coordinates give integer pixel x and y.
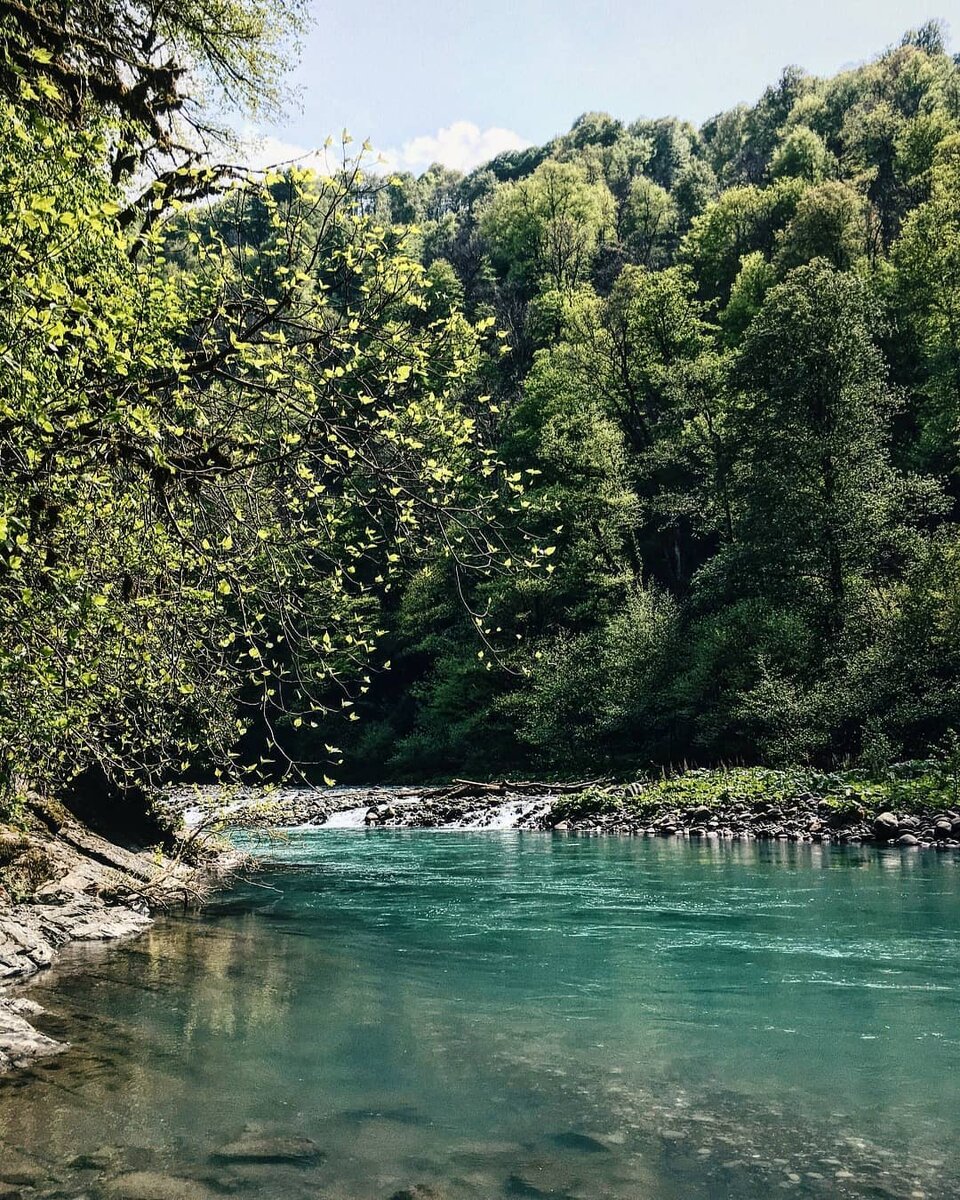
{"type": "Point", "coordinates": [913, 786]}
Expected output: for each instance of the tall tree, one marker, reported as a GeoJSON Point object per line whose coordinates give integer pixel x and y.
{"type": "Point", "coordinates": [813, 486]}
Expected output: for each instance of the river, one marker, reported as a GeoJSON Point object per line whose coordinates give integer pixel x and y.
{"type": "Point", "coordinates": [506, 1014]}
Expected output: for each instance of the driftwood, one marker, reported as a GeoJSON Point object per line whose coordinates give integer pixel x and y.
{"type": "Point", "coordinates": [461, 789]}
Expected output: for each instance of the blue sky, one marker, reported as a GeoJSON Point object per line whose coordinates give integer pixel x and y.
{"type": "Point", "coordinates": [460, 80]}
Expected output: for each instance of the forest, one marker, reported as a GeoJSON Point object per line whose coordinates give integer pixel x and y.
{"type": "Point", "coordinates": [730, 389]}
{"type": "Point", "coordinates": [639, 447]}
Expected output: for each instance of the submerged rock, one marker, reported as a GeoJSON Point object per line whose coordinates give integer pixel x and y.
{"type": "Point", "coordinates": [402, 1114]}
{"type": "Point", "coordinates": [154, 1185]}
{"type": "Point", "coordinates": [261, 1148]}
{"type": "Point", "coordinates": [20, 1043]}
{"type": "Point", "coordinates": [580, 1141]}
{"type": "Point", "coordinates": [17, 1170]}
{"type": "Point", "coordinates": [101, 1159]}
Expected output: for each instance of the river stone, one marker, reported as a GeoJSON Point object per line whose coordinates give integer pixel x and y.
{"type": "Point", "coordinates": [419, 1191]}
{"type": "Point", "coordinates": [885, 826]}
{"type": "Point", "coordinates": [555, 1186]}
{"type": "Point", "coordinates": [259, 1148]}
{"type": "Point", "coordinates": [907, 839]}
{"type": "Point", "coordinates": [153, 1185]}
{"type": "Point", "coordinates": [516, 1185]}
{"type": "Point", "coordinates": [101, 1159]}
{"type": "Point", "coordinates": [19, 1041]}
{"type": "Point", "coordinates": [16, 1170]}
{"type": "Point", "coordinates": [583, 1142]}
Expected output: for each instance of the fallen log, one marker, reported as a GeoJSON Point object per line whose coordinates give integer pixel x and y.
{"type": "Point", "coordinates": [463, 788]}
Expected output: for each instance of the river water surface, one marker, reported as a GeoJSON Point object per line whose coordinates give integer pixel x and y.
{"type": "Point", "coordinates": [486, 1015]}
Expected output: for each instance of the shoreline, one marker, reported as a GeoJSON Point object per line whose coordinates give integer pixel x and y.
{"type": "Point", "coordinates": [726, 810]}
{"type": "Point", "coordinates": [95, 891]}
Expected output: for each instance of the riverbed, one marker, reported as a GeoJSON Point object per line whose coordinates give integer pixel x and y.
{"type": "Point", "coordinates": [496, 1014]}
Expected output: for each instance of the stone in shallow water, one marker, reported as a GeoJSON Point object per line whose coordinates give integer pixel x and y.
{"type": "Point", "coordinates": [582, 1142]}
{"type": "Point", "coordinates": [153, 1185]}
{"type": "Point", "coordinates": [101, 1159]}
{"type": "Point", "coordinates": [261, 1148]}
{"type": "Point", "coordinates": [17, 1170]}
{"type": "Point", "coordinates": [517, 1185]}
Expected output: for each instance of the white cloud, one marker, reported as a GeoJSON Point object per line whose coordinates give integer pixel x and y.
{"type": "Point", "coordinates": [261, 153]}
{"type": "Point", "coordinates": [461, 146]}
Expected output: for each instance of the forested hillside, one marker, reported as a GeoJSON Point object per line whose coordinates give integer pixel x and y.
{"type": "Point", "coordinates": [638, 447]}
{"type": "Point", "coordinates": [728, 397]}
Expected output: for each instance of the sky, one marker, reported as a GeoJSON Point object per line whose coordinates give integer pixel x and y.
{"type": "Point", "coordinates": [458, 81]}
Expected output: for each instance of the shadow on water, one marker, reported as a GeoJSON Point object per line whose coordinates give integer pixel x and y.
{"type": "Point", "coordinates": [503, 1014]}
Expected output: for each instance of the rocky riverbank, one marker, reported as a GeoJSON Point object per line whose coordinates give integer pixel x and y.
{"type": "Point", "coordinates": [806, 818]}
{"type": "Point", "coordinates": [59, 883]}
{"type": "Point", "coordinates": [721, 805]}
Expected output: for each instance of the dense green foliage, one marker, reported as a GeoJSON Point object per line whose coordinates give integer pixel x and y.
{"type": "Point", "coordinates": [733, 383]}
{"type": "Point", "coordinates": [224, 430]}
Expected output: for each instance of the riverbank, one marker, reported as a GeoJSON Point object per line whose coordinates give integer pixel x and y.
{"type": "Point", "coordinates": [915, 805]}
{"type": "Point", "coordinates": [60, 883]}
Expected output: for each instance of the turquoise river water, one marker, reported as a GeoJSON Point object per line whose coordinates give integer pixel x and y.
{"type": "Point", "coordinates": [487, 1015]}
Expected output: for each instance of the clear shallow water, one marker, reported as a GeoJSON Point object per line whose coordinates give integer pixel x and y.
{"type": "Point", "coordinates": [504, 1014]}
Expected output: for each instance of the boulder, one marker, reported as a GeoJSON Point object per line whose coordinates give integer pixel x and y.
{"type": "Point", "coordinates": [885, 827]}
{"type": "Point", "coordinates": [583, 1143]}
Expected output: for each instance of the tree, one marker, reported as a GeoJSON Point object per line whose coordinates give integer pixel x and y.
{"type": "Point", "coordinates": [802, 155]}
{"type": "Point", "coordinates": [749, 290]}
{"type": "Point", "coordinates": [763, 122]}
{"type": "Point", "coordinates": [741, 220]}
{"type": "Point", "coordinates": [830, 223]}
{"type": "Point", "coordinates": [547, 228]}
{"type": "Point", "coordinates": [814, 491]}
{"type": "Point", "coordinates": [144, 68]}
{"type": "Point", "coordinates": [207, 475]}
{"type": "Point", "coordinates": [927, 297]}
{"type": "Point", "coordinates": [648, 223]}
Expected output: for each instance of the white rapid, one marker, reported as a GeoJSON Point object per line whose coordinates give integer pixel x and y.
{"type": "Point", "coordinates": [508, 815]}
{"type": "Point", "coordinates": [347, 818]}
